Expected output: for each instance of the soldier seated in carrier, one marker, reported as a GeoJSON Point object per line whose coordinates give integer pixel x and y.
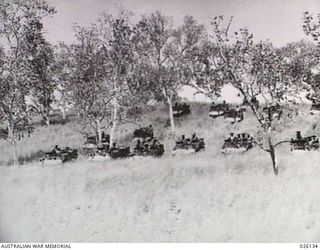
{"type": "Point", "coordinates": [65, 150]}
{"type": "Point", "coordinates": [146, 149]}
{"type": "Point", "coordinates": [154, 144]}
{"type": "Point", "coordinates": [182, 141]}
{"type": "Point", "coordinates": [57, 149]}
{"type": "Point", "coordinates": [194, 137]}
{"type": "Point", "coordinates": [187, 141]}
{"type": "Point", "coordinates": [139, 147]}
{"type": "Point", "coordinates": [150, 130]}
{"type": "Point", "coordinates": [184, 106]}
{"type": "Point", "coordinates": [176, 105]}
{"type": "Point", "coordinates": [299, 137]}
{"type": "Point", "coordinates": [239, 137]}
{"type": "Point", "coordinates": [232, 138]}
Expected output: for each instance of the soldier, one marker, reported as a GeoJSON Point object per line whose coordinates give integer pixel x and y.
{"type": "Point", "coordinates": [150, 130]}
{"type": "Point", "coordinates": [184, 106]}
{"type": "Point", "coordinates": [182, 140]}
{"type": "Point", "coordinates": [231, 138]}
{"type": "Point", "coordinates": [188, 141]}
{"type": "Point", "coordinates": [299, 137]}
{"type": "Point", "coordinates": [154, 144]}
{"type": "Point", "coordinates": [57, 149]}
{"type": "Point", "coordinates": [138, 147]}
{"type": "Point", "coordinates": [244, 137]}
{"type": "Point", "coordinates": [146, 149]}
{"type": "Point", "coordinates": [194, 137]}
{"type": "Point", "coordinates": [176, 106]}
{"type": "Point", "coordinates": [250, 139]}
{"type": "Point", "coordinates": [238, 140]}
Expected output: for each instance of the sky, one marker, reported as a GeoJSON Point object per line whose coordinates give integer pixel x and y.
{"type": "Point", "coordinates": [280, 21]}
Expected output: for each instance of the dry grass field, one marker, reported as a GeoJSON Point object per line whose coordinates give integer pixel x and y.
{"type": "Point", "coordinates": [206, 197]}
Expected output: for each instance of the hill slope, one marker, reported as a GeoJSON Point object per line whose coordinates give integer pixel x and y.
{"type": "Point", "coordinates": [207, 197]}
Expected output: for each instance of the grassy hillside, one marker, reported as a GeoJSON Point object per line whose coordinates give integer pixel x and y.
{"type": "Point", "coordinates": [207, 197]}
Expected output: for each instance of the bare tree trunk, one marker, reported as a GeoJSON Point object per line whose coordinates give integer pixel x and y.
{"type": "Point", "coordinates": [98, 131]}
{"type": "Point", "coordinates": [47, 121]}
{"type": "Point", "coordinates": [273, 158]}
{"type": "Point", "coordinates": [114, 124]}
{"type": "Point", "coordinates": [14, 153]}
{"type": "Point", "coordinates": [63, 113]}
{"type": "Point", "coordinates": [12, 143]}
{"type": "Point", "coordinates": [171, 114]}
{"type": "Point", "coordinates": [46, 116]}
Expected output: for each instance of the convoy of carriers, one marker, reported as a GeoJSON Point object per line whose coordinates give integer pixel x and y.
{"type": "Point", "coordinates": [145, 144]}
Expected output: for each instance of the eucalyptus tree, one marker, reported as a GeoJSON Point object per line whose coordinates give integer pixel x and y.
{"type": "Point", "coordinates": [41, 71]}
{"type": "Point", "coordinates": [256, 70]}
{"type": "Point", "coordinates": [16, 24]}
{"type": "Point", "coordinates": [201, 70]}
{"type": "Point", "coordinates": [156, 47]}
{"type": "Point", "coordinates": [119, 37]}
{"type": "Point", "coordinates": [188, 43]}
{"type": "Point", "coordinates": [169, 51]}
{"type": "Point", "coordinates": [311, 27]}
{"type": "Point", "coordinates": [86, 69]}
{"type": "Point", "coordinates": [104, 71]}
{"type": "Point", "coordinates": [63, 86]}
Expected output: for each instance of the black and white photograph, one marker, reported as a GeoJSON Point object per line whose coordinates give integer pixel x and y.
{"type": "Point", "coordinates": [160, 121]}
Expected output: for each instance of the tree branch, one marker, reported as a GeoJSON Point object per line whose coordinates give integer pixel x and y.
{"type": "Point", "coordinates": [281, 142]}
{"type": "Point", "coordinates": [261, 146]}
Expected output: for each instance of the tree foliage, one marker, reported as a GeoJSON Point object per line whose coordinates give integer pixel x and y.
{"type": "Point", "coordinates": [169, 54]}
{"type": "Point", "coordinates": [40, 70]}
{"type": "Point", "coordinates": [311, 27]}
{"type": "Point", "coordinates": [256, 70]}
{"type": "Point", "coordinates": [104, 71]}
{"type": "Point", "coordinates": [19, 21]}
